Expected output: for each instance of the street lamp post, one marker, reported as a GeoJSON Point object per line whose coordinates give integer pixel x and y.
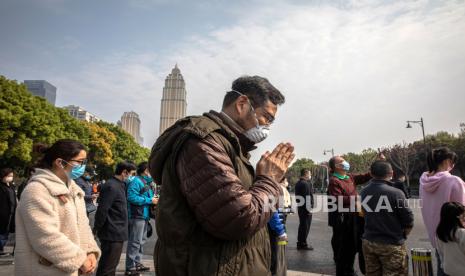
{"type": "Point", "coordinates": [422, 127]}
{"type": "Point", "coordinates": [328, 151]}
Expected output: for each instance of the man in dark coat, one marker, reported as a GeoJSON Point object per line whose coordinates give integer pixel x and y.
{"type": "Point", "coordinates": [7, 206]}
{"type": "Point", "coordinates": [214, 205]}
{"type": "Point", "coordinates": [304, 190]}
{"type": "Point", "coordinates": [111, 219]}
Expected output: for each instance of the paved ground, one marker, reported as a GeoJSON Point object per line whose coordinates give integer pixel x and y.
{"type": "Point", "coordinates": [315, 262]}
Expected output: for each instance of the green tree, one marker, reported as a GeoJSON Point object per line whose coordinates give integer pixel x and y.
{"type": "Point", "coordinates": [360, 162]}
{"type": "Point", "coordinates": [27, 119]}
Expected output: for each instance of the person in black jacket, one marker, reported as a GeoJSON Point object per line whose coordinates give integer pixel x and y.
{"type": "Point", "coordinates": [84, 183]}
{"type": "Point", "coordinates": [399, 182]}
{"type": "Point", "coordinates": [111, 219]}
{"type": "Point", "coordinates": [304, 189]}
{"type": "Point", "coordinates": [7, 206]}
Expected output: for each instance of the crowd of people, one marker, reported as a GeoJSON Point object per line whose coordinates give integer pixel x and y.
{"type": "Point", "coordinates": [212, 212]}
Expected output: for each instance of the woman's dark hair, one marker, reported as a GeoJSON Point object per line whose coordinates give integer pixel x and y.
{"type": "Point", "coordinates": [142, 167]}
{"type": "Point", "coordinates": [450, 222]}
{"type": "Point", "coordinates": [257, 89]}
{"type": "Point", "coordinates": [125, 165]}
{"type": "Point", "coordinates": [4, 172]}
{"type": "Point", "coordinates": [437, 156]}
{"type": "Point", "coordinates": [65, 149]}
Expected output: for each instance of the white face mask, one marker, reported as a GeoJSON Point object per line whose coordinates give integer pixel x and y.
{"type": "Point", "coordinates": [8, 179]}
{"type": "Point", "coordinates": [258, 133]}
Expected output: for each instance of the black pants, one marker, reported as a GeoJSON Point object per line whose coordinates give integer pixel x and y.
{"type": "Point", "coordinates": [111, 253]}
{"type": "Point", "coordinates": [305, 221]}
{"type": "Point", "coordinates": [344, 245]}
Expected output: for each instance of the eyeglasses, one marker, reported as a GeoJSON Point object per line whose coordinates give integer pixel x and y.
{"type": "Point", "coordinates": [80, 162]}
{"type": "Point", "coordinates": [269, 118]}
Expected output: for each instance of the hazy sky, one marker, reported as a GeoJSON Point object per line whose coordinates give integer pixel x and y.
{"type": "Point", "coordinates": [352, 71]}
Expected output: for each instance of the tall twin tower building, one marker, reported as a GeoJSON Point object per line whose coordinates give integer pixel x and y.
{"type": "Point", "coordinates": [173, 102]}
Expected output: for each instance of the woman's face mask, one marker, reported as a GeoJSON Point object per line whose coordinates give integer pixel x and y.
{"type": "Point", "coordinates": [76, 171]}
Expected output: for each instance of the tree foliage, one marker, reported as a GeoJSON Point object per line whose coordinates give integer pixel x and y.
{"type": "Point", "coordinates": [360, 163]}
{"type": "Point", "coordinates": [27, 119]}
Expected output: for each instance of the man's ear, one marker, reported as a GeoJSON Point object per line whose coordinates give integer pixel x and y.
{"type": "Point", "coordinates": [241, 104]}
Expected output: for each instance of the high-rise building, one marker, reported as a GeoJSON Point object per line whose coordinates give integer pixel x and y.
{"type": "Point", "coordinates": [42, 89]}
{"type": "Point", "coordinates": [131, 123]}
{"type": "Point", "coordinates": [81, 114]}
{"type": "Point", "coordinates": [173, 102]}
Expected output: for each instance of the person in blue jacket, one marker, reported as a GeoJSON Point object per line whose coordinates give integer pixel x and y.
{"type": "Point", "coordinates": [140, 197]}
{"type": "Point", "coordinates": [277, 231]}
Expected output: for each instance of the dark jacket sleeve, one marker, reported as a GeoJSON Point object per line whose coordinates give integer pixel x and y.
{"type": "Point", "coordinates": [221, 204]}
{"type": "Point", "coordinates": [81, 183]}
{"type": "Point", "coordinates": [401, 186]}
{"type": "Point", "coordinates": [300, 189]}
{"type": "Point", "coordinates": [404, 213]}
{"type": "Point", "coordinates": [361, 178]}
{"type": "Point", "coordinates": [107, 195]}
{"type": "Point", "coordinates": [312, 197]}
{"type": "Point", "coordinates": [304, 190]}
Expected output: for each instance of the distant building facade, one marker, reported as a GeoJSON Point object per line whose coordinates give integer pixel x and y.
{"type": "Point", "coordinates": [130, 122]}
{"type": "Point", "coordinates": [81, 114]}
{"type": "Point", "coordinates": [173, 102]}
{"type": "Point", "coordinates": [42, 89]}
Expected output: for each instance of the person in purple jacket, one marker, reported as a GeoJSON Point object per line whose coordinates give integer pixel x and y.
{"type": "Point", "coordinates": [438, 186]}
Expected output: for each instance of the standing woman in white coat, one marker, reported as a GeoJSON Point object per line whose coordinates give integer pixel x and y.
{"type": "Point", "coordinates": [53, 236]}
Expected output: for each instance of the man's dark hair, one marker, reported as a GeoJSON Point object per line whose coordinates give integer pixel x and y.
{"type": "Point", "coordinates": [125, 165]}
{"type": "Point", "coordinates": [257, 89]}
{"type": "Point", "coordinates": [303, 172]}
{"type": "Point", "coordinates": [142, 167]}
{"type": "Point", "coordinates": [380, 169]}
{"type": "Point", "coordinates": [449, 221]}
{"type": "Point", "coordinates": [437, 156]}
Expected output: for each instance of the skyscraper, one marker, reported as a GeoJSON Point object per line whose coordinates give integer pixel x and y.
{"type": "Point", "coordinates": [173, 102]}
{"type": "Point", "coordinates": [131, 123]}
{"type": "Point", "coordinates": [81, 114]}
{"type": "Point", "coordinates": [42, 89]}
